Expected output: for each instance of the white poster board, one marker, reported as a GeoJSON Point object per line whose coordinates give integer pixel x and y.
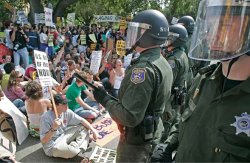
{"type": "Point", "coordinates": [127, 60]}
{"type": "Point", "coordinates": [96, 58]}
{"type": "Point", "coordinates": [42, 66]}
{"type": "Point", "coordinates": [48, 16]}
{"type": "Point", "coordinates": [103, 155]}
{"type": "Point", "coordinates": [19, 118]}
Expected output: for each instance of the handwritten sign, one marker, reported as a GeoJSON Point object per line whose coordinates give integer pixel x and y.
{"type": "Point", "coordinates": [106, 18]}
{"type": "Point", "coordinates": [42, 67]}
{"type": "Point", "coordinates": [48, 16]}
{"type": "Point", "coordinates": [120, 47]}
{"type": "Point", "coordinates": [103, 155]}
{"type": "Point", "coordinates": [83, 39]}
{"type": "Point", "coordinates": [96, 58]}
{"type": "Point", "coordinates": [107, 129]}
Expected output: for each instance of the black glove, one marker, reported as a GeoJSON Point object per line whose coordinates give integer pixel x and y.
{"type": "Point", "coordinates": [101, 96]}
{"type": "Point", "coordinates": [162, 153]}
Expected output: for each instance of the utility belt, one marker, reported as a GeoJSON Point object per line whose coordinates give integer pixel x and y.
{"type": "Point", "coordinates": [144, 132]}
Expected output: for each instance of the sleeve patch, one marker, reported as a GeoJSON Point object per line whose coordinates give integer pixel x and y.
{"type": "Point", "coordinates": [138, 75]}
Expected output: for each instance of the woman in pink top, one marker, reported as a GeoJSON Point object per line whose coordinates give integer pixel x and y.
{"type": "Point", "coordinates": [14, 91]}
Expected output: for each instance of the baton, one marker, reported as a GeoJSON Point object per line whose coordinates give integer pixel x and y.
{"type": "Point", "coordinates": [92, 85]}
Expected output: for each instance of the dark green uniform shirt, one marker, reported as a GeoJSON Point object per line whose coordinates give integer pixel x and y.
{"type": "Point", "coordinates": [136, 92]}
{"type": "Point", "coordinates": [215, 127]}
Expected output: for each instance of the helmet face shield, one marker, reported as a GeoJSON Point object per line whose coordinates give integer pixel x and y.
{"type": "Point", "coordinates": [135, 32]}
{"type": "Point", "coordinates": [222, 30]}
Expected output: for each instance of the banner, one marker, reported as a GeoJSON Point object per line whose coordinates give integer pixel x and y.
{"type": "Point", "coordinates": [120, 47]}
{"type": "Point", "coordinates": [103, 155]}
{"type": "Point", "coordinates": [96, 58]}
{"type": "Point", "coordinates": [19, 118]}
{"type": "Point", "coordinates": [48, 16]}
{"type": "Point", "coordinates": [42, 66]}
{"type": "Point", "coordinates": [71, 19]}
{"type": "Point", "coordinates": [106, 18]}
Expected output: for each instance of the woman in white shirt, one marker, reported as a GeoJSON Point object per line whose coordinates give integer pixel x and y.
{"type": "Point", "coordinates": [43, 38]}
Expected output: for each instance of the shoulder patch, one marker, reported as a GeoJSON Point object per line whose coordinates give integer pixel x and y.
{"type": "Point", "coordinates": [138, 75]}
{"type": "Point", "coordinates": [171, 63]}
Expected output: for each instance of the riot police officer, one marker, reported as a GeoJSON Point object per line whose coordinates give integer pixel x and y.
{"type": "Point", "coordinates": [189, 23]}
{"type": "Point", "coordinates": [215, 124]}
{"type": "Point", "coordinates": [145, 90]}
{"type": "Point", "coordinates": [175, 54]}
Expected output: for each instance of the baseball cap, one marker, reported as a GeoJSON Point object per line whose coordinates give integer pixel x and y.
{"type": "Point", "coordinates": [60, 99]}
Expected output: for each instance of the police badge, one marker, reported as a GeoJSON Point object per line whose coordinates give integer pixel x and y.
{"type": "Point", "coordinates": [242, 124]}
{"type": "Point", "coordinates": [138, 75]}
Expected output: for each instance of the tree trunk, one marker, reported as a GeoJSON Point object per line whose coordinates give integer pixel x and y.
{"type": "Point", "coordinates": [60, 8]}
{"type": "Point", "coordinates": [35, 7]}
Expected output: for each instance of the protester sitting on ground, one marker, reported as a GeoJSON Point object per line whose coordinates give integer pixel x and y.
{"type": "Point", "coordinates": [76, 103]}
{"type": "Point", "coordinates": [14, 91]}
{"type": "Point", "coordinates": [67, 135]}
{"type": "Point", "coordinates": [8, 68]}
{"type": "Point", "coordinates": [116, 76]}
{"type": "Point", "coordinates": [35, 106]}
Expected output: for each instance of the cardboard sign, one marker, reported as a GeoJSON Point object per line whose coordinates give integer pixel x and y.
{"type": "Point", "coordinates": [42, 66]}
{"type": "Point", "coordinates": [107, 129]}
{"type": "Point", "coordinates": [120, 47]}
{"type": "Point", "coordinates": [19, 118]}
{"type": "Point", "coordinates": [96, 58]}
{"type": "Point", "coordinates": [48, 16]}
{"type": "Point", "coordinates": [103, 155]}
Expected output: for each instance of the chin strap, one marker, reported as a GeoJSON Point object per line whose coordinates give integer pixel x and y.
{"type": "Point", "coordinates": [228, 72]}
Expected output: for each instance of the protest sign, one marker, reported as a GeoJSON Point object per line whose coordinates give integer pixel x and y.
{"type": "Point", "coordinates": [127, 60]}
{"type": "Point", "coordinates": [120, 47]}
{"type": "Point", "coordinates": [48, 16]}
{"type": "Point", "coordinates": [50, 39]}
{"type": "Point", "coordinates": [107, 130]}
{"type": "Point", "coordinates": [92, 37]}
{"type": "Point", "coordinates": [19, 118]}
{"type": "Point", "coordinates": [42, 67]}
{"type": "Point", "coordinates": [96, 58]}
{"type": "Point", "coordinates": [106, 18]}
{"type": "Point", "coordinates": [22, 17]}
{"type": "Point", "coordinates": [83, 39]}
{"type": "Point", "coordinates": [103, 155]}
{"type": "Point", "coordinates": [110, 47]}
{"type": "Point", "coordinates": [59, 21]}
{"type": "Point", "coordinates": [71, 19]}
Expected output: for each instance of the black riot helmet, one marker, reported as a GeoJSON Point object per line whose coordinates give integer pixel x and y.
{"type": "Point", "coordinates": [188, 22]}
{"type": "Point", "coordinates": [148, 28]}
{"type": "Point", "coordinates": [178, 36]}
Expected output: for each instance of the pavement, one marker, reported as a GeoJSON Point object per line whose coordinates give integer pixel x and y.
{"type": "Point", "coordinates": [31, 151]}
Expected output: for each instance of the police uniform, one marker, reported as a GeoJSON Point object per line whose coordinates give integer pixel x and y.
{"type": "Point", "coordinates": [137, 96]}
{"type": "Point", "coordinates": [215, 127]}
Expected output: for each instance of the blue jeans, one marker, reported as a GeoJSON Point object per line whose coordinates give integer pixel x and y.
{"type": "Point", "coordinates": [84, 113]}
{"type": "Point", "coordinates": [20, 105]}
{"type": "Point", "coordinates": [25, 57]}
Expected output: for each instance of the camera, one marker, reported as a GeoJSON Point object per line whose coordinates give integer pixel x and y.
{"type": "Point", "coordinates": [16, 46]}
